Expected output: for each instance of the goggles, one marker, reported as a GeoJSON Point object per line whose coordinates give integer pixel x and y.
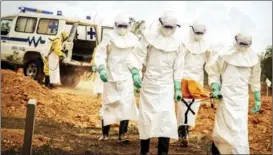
{"type": "Point", "coordinates": [121, 26]}
{"type": "Point", "coordinates": [242, 43]}
{"type": "Point", "coordinates": [167, 26]}
{"type": "Point", "coordinates": [197, 32]}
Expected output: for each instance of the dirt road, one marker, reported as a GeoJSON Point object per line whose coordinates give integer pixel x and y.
{"type": "Point", "coordinates": [68, 122]}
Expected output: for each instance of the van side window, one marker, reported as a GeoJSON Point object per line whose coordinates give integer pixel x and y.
{"type": "Point", "coordinates": [25, 24]}
{"type": "Point", "coordinates": [5, 26]}
{"type": "Point", "coordinates": [81, 32]}
{"type": "Point", "coordinates": [48, 26]}
{"type": "Point", "coordinates": [86, 33]}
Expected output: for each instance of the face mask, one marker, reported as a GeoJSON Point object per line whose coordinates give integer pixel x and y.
{"type": "Point", "coordinates": [166, 32]}
{"type": "Point", "coordinates": [198, 37]}
{"type": "Point", "coordinates": [122, 31]}
{"type": "Point", "coordinates": [241, 48]}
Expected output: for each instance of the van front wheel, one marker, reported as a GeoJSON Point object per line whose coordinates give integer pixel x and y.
{"type": "Point", "coordinates": [34, 69]}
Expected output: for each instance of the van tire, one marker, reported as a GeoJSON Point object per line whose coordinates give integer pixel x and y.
{"type": "Point", "coordinates": [34, 69]}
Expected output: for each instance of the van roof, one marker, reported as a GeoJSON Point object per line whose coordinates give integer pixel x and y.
{"type": "Point", "coordinates": [40, 15]}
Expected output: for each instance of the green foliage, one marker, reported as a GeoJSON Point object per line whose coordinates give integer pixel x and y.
{"type": "Point", "coordinates": [266, 64]}
{"type": "Point", "coordinates": [137, 26]}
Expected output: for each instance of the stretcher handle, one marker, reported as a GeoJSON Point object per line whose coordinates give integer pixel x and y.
{"type": "Point", "coordinates": [219, 96]}
{"type": "Point", "coordinates": [211, 101]}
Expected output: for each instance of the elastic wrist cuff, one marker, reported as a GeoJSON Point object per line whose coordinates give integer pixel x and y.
{"type": "Point", "coordinates": [135, 71]}
{"type": "Point", "coordinates": [101, 67]}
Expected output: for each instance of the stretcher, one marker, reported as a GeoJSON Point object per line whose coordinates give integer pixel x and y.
{"type": "Point", "coordinates": [191, 89]}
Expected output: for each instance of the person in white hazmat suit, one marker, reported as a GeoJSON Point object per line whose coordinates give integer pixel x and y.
{"type": "Point", "coordinates": [197, 54]}
{"type": "Point", "coordinates": [161, 82]}
{"type": "Point", "coordinates": [118, 102]}
{"type": "Point", "coordinates": [238, 67]}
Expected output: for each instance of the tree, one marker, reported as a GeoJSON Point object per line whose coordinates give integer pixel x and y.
{"type": "Point", "coordinates": [266, 64]}
{"type": "Point", "coordinates": [137, 26]}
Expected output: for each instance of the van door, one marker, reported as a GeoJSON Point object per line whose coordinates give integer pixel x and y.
{"type": "Point", "coordinates": [68, 45]}
{"type": "Point", "coordinates": [47, 28]}
{"type": "Point", "coordinates": [105, 30]}
{"type": "Point", "coordinates": [84, 43]}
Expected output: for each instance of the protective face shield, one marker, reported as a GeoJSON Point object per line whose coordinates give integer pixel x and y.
{"type": "Point", "coordinates": [122, 24]}
{"type": "Point", "coordinates": [168, 24]}
{"type": "Point", "coordinates": [242, 42]}
{"type": "Point", "coordinates": [64, 36]}
{"type": "Point", "coordinates": [197, 31]}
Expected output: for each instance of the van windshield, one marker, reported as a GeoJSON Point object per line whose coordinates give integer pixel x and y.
{"type": "Point", "coordinates": [5, 26]}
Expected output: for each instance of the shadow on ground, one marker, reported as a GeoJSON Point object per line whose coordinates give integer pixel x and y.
{"type": "Point", "coordinates": [67, 139]}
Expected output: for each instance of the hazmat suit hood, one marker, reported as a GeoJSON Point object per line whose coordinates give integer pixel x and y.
{"type": "Point", "coordinates": [242, 42]}
{"type": "Point", "coordinates": [121, 35]}
{"type": "Point", "coordinates": [165, 37]}
{"type": "Point", "coordinates": [240, 53]}
{"type": "Point", "coordinates": [122, 24]}
{"type": "Point", "coordinates": [197, 43]}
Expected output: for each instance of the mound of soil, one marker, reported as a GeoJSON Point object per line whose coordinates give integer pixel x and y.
{"type": "Point", "coordinates": [17, 89]}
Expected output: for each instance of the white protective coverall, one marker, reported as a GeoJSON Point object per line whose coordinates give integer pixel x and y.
{"type": "Point", "coordinates": [98, 89]}
{"type": "Point", "coordinates": [55, 72]}
{"type": "Point", "coordinates": [157, 116]}
{"type": "Point", "coordinates": [238, 67]}
{"type": "Point", "coordinates": [52, 66]}
{"type": "Point", "coordinates": [197, 54]}
{"type": "Point", "coordinates": [118, 102]}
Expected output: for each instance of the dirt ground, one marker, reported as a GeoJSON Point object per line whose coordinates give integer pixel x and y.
{"type": "Point", "coordinates": [67, 122]}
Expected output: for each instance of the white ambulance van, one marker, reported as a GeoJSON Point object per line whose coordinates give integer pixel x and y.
{"type": "Point", "coordinates": [25, 41]}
